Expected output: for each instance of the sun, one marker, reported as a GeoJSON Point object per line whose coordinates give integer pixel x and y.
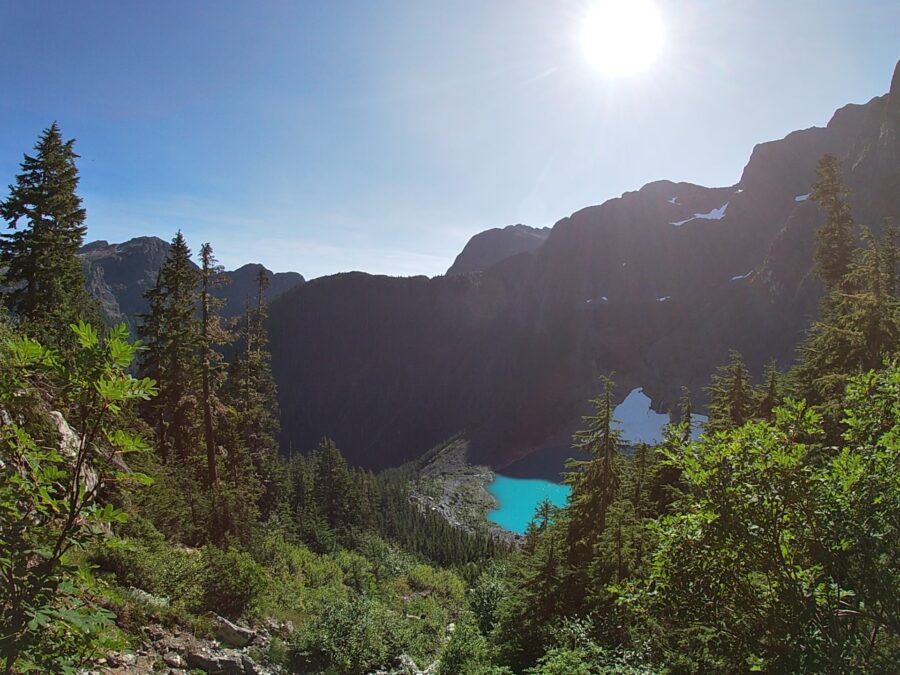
{"type": "Point", "coordinates": [622, 37]}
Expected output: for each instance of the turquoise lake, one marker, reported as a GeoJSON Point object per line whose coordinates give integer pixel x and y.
{"type": "Point", "coordinates": [519, 497]}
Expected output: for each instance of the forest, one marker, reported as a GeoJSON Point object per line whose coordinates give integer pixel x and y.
{"type": "Point", "coordinates": [142, 484]}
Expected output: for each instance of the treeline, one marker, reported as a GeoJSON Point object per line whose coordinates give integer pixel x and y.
{"type": "Point", "coordinates": [326, 497]}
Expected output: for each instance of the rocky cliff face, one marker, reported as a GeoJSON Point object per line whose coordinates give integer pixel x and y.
{"type": "Point", "coordinates": [656, 285]}
{"type": "Point", "coordinates": [118, 275]}
{"type": "Point", "coordinates": [491, 246]}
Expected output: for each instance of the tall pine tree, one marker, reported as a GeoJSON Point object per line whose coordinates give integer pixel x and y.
{"type": "Point", "coordinates": [594, 482]}
{"type": "Point", "coordinates": [172, 336]}
{"type": "Point", "coordinates": [730, 395]}
{"type": "Point", "coordinates": [212, 335]}
{"type": "Point", "coordinates": [253, 395]}
{"type": "Point", "coordinates": [834, 240]}
{"type": "Point", "coordinates": [43, 275]}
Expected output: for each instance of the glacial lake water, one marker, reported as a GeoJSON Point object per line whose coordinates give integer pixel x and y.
{"type": "Point", "coordinates": [518, 498]}
{"type": "Point", "coordinates": [537, 476]}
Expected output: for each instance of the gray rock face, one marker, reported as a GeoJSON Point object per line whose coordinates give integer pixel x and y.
{"type": "Point", "coordinates": [118, 275]}
{"type": "Point", "coordinates": [490, 247]}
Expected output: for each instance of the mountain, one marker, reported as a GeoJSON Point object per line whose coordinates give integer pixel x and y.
{"type": "Point", "coordinates": [656, 286]}
{"type": "Point", "coordinates": [118, 275]}
{"type": "Point", "coordinates": [491, 246]}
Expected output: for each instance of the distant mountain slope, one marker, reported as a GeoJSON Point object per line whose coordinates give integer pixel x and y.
{"type": "Point", "coordinates": [118, 275]}
{"type": "Point", "coordinates": [656, 285]}
{"type": "Point", "coordinates": [491, 246]}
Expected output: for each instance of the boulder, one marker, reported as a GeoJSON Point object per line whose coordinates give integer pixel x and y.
{"type": "Point", "coordinates": [224, 663]}
{"type": "Point", "coordinates": [231, 634]}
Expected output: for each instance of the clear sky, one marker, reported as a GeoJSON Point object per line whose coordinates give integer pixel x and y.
{"type": "Point", "coordinates": [380, 135]}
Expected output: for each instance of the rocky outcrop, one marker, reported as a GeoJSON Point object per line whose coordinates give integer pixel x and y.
{"type": "Point", "coordinates": [118, 276]}
{"type": "Point", "coordinates": [656, 285]}
{"type": "Point", "coordinates": [491, 246]}
{"type": "Point", "coordinates": [176, 651]}
{"type": "Point", "coordinates": [232, 634]}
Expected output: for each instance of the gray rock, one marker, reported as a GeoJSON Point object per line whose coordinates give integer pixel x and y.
{"type": "Point", "coordinates": [226, 663]}
{"type": "Point", "coordinates": [231, 634]}
{"type": "Point", "coordinates": [157, 601]}
{"type": "Point", "coordinates": [174, 660]}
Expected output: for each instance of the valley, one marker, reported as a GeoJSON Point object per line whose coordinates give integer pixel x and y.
{"type": "Point", "coordinates": [660, 437]}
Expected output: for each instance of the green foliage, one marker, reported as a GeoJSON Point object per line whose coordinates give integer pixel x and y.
{"type": "Point", "coordinates": [232, 580]}
{"type": "Point", "coordinates": [834, 240]}
{"type": "Point", "coordinates": [353, 636]}
{"type": "Point", "coordinates": [730, 395]}
{"type": "Point", "coordinates": [52, 482]}
{"type": "Point", "coordinates": [43, 282]}
{"type": "Point", "coordinates": [766, 563]}
{"type": "Point", "coordinates": [468, 653]}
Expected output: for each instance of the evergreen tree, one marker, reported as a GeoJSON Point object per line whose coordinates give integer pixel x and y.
{"type": "Point", "coordinates": [212, 335]}
{"type": "Point", "coordinates": [768, 394]}
{"type": "Point", "coordinates": [685, 414]}
{"type": "Point", "coordinates": [43, 275]}
{"type": "Point", "coordinates": [333, 487]}
{"type": "Point", "coordinates": [834, 240]}
{"type": "Point", "coordinates": [730, 395]}
{"type": "Point", "coordinates": [172, 336]}
{"type": "Point", "coordinates": [253, 395]}
{"type": "Point", "coordinates": [859, 328]}
{"type": "Point", "coordinates": [594, 482]}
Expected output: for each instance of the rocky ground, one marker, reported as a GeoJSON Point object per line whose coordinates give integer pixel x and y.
{"type": "Point", "coordinates": [235, 650]}
{"type": "Point", "coordinates": [451, 486]}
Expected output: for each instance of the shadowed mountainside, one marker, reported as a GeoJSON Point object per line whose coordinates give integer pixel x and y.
{"type": "Point", "coordinates": [656, 285]}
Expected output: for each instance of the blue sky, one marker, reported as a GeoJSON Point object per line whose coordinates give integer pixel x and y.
{"type": "Point", "coordinates": [381, 135]}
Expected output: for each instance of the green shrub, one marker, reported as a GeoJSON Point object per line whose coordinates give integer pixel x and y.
{"type": "Point", "coordinates": [350, 637]}
{"type": "Point", "coordinates": [232, 581]}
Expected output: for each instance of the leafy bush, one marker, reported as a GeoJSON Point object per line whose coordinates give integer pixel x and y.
{"type": "Point", "coordinates": [350, 637]}
{"type": "Point", "coordinates": [51, 483]}
{"type": "Point", "coordinates": [232, 581]}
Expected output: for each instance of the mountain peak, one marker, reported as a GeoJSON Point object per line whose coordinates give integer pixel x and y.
{"type": "Point", "coordinates": [894, 95]}
{"type": "Point", "coordinates": [491, 246]}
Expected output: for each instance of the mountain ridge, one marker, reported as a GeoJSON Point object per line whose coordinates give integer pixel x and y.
{"type": "Point", "coordinates": [118, 275]}
{"type": "Point", "coordinates": [657, 285]}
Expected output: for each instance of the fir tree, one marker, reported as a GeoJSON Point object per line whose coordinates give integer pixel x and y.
{"type": "Point", "coordinates": [730, 395]}
{"type": "Point", "coordinates": [43, 274]}
{"type": "Point", "coordinates": [333, 487]}
{"type": "Point", "coordinates": [594, 482]}
{"type": "Point", "coordinates": [859, 328]}
{"type": "Point", "coordinates": [253, 395]}
{"type": "Point", "coordinates": [212, 335]}
{"type": "Point", "coordinates": [834, 240]}
{"type": "Point", "coordinates": [172, 336]}
{"type": "Point", "coordinates": [768, 394]}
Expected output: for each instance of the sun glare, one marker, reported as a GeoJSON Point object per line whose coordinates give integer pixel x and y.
{"type": "Point", "coordinates": [622, 37]}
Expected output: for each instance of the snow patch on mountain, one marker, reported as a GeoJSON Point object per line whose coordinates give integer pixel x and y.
{"type": "Point", "coordinates": [715, 214]}
{"type": "Point", "coordinates": [639, 422]}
